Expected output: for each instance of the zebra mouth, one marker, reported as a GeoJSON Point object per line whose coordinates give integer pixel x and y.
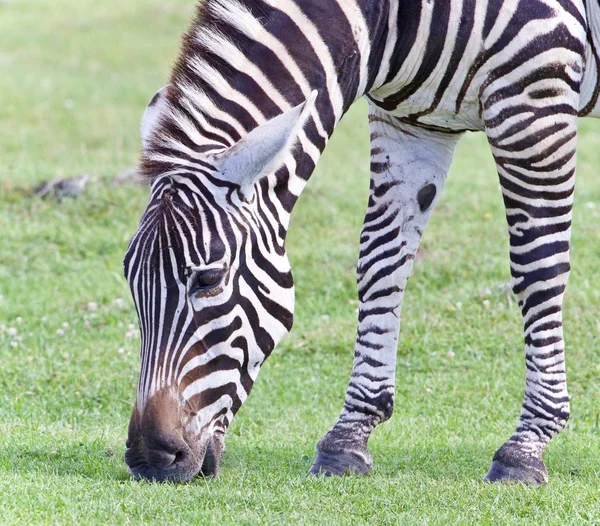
{"type": "Point", "coordinates": [177, 463]}
{"type": "Point", "coordinates": [212, 458]}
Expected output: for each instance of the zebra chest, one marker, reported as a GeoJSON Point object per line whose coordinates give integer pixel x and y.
{"type": "Point", "coordinates": [430, 105]}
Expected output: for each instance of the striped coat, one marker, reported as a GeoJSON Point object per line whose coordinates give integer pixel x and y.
{"type": "Point", "coordinates": [231, 142]}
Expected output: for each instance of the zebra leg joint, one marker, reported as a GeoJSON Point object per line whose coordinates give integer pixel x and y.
{"type": "Point", "coordinates": [512, 464]}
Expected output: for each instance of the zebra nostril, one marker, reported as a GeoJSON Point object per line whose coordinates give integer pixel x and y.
{"type": "Point", "coordinates": [160, 459]}
{"type": "Point", "coordinates": [168, 452]}
{"type": "Point", "coordinates": [180, 456]}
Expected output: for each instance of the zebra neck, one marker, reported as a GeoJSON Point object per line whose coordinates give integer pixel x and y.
{"type": "Point", "coordinates": [254, 58]}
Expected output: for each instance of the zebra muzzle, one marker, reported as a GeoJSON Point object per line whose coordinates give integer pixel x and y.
{"type": "Point", "coordinates": [158, 448]}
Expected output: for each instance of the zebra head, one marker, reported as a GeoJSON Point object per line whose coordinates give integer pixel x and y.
{"type": "Point", "coordinates": [211, 283]}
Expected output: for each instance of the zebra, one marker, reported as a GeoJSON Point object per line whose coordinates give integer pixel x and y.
{"type": "Point", "coordinates": [230, 143]}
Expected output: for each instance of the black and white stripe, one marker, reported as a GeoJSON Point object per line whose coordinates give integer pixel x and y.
{"type": "Point", "coordinates": [231, 142]}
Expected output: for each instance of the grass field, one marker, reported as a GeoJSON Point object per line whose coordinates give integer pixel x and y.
{"type": "Point", "coordinates": [76, 78]}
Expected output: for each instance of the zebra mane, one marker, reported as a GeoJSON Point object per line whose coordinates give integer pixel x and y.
{"type": "Point", "coordinates": [203, 113]}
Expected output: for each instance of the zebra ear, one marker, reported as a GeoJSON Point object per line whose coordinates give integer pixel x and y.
{"type": "Point", "coordinates": [264, 148]}
{"type": "Point", "coordinates": [154, 110]}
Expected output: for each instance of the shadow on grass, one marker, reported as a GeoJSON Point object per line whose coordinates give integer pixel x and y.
{"type": "Point", "coordinates": [470, 462]}
{"type": "Point", "coordinates": [464, 462]}
{"type": "Point", "coordinates": [88, 460]}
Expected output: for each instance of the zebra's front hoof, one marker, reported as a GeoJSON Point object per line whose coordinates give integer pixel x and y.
{"type": "Point", "coordinates": [340, 463]}
{"type": "Point", "coordinates": [512, 465]}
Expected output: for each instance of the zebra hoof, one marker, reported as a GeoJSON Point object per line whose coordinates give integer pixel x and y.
{"type": "Point", "coordinates": [511, 465]}
{"type": "Point", "coordinates": [340, 463]}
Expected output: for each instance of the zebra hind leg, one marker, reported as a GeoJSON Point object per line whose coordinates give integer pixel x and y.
{"type": "Point", "coordinates": [408, 171]}
{"type": "Point", "coordinates": [534, 151]}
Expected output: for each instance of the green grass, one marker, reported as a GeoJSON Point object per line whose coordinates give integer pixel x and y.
{"type": "Point", "coordinates": [76, 78]}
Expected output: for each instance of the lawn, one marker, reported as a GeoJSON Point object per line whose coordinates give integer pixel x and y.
{"type": "Point", "coordinates": [75, 79]}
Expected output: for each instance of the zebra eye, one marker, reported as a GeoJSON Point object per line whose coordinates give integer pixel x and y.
{"type": "Point", "coordinates": [205, 280]}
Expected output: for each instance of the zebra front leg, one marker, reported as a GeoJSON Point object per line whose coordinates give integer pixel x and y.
{"type": "Point", "coordinates": [408, 169]}
{"type": "Point", "coordinates": [535, 157]}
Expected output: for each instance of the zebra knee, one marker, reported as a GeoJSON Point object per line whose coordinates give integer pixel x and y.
{"type": "Point", "coordinates": [374, 409]}
{"type": "Point", "coordinates": [384, 403]}
{"type": "Point", "coordinates": [563, 413]}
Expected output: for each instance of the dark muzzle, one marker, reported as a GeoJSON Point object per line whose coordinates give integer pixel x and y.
{"type": "Point", "coordinates": [158, 448]}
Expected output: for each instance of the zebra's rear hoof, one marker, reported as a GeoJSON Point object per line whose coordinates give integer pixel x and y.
{"type": "Point", "coordinates": [512, 465]}
{"type": "Point", "coordinates": [340, 463]}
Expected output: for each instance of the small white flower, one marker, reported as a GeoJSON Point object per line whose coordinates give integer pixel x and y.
{"type": "Point", "coordinates": [132, 334]}
{"type": "Point", "coordinates": [92, 306]}
{"type": "Point", "coordinates": [87, 325]}
{"type": "Point", "coordinates": [486, 304]}
{"type": "Point", "coordinates": [459, 305]}
{"type": "Point", "coordinates": [131, 327]}
{"type": "Point", "coordinates": [121, 350]}
{"type": "Point", "coordinates": [12, 331]}
{"type": "Point", "coordinates": [19, 320]}
{"type": "Point", "coordinates": [451, 354]}
{"type": "Point", "coordinates": [14, 345]}
{"type": "Point", "coordinates": [60, 332]}
{"type": "Point", "coordinates": [65, 325]}
{"type": "Point", "coordinates": [44, 319]}
{"type": "Point", "coordinates": [120, 303]}
{"type": "Point", "coordinates": [590, 205]}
